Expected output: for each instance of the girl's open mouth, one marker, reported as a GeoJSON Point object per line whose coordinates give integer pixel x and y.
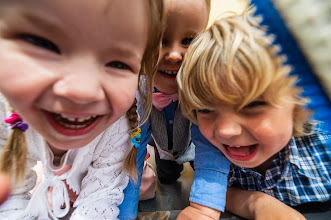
{"type": "Point", "coordinates": [73, 122]}
{"type": "Point", "coordinates": [241, 153]}
{"type": "Point", "coordinates": [72, 126]}
{"type": "Point", "coordinates": [169, 74]}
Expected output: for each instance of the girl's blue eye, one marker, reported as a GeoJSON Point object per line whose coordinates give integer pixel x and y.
{"type": "Point", "coordinates": [40, 42]}
{"type": "Point", "coordinates": [187, 41]}
{"type": "Point", "coordinates": [118, 65]}
{"type": "Point", "coordinates": [256, 104]}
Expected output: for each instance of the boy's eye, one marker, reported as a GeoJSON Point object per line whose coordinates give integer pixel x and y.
{"type": "Point", "coordinates": [118, 65]}
{"type": "Point", "coordinates": [187, 41]}
{"type": "Point", "coordinates": [40, 42]}
{"type": "Point", "coordinates": [255, 104]}
{"type": "Point", "coordinates": [204, 111]}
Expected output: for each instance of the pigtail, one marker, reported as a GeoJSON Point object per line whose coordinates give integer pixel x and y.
{"type": "Point", "coordinates": [14, 153]}
{"type": "Point", "coordinates": [130, 160]}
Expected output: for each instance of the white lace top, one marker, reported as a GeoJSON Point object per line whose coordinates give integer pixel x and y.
{"type": "Point", "coordinates": [96, 175]}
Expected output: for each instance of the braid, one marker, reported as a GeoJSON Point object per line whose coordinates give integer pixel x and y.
{"type": "Point", "coordinates": [130, 160]}
{"type": "Point", "coordinates": [14, 153]}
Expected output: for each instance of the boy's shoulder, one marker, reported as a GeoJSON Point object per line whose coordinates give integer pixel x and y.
{"type": "Point", "coordinates": [318, 139]}
{"type": "Point", "coordinates": [312, 153]}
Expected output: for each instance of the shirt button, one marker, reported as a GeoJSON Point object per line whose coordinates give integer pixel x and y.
{"type": "Point", "coordinates": [171, 122]}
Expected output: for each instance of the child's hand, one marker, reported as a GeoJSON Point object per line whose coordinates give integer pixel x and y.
{"type": "Point", "coordinates": [196, 211]}
{"type": "Point", "coordinates": [259, 206]}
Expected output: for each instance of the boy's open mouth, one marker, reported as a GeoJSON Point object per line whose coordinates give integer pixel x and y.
{"type": "Point", "coordinates": [241, 152]}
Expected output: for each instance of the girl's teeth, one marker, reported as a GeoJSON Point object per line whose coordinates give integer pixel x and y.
{"type": "Point", "coordinates": [73, 126]}
{"type": "Point", "coordinates": [73, 119]}
{"type": "Point", "coordinates": [170, 72]}
{"type": "Point", "coordinates": [71, 122]}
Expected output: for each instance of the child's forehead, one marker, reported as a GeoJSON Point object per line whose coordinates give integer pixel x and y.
{"type": "Point", "coordinates": [81, 14]}
{"type": "Point", "coordinates": [188, 16]}
{"type": "Point", "coordinates": [92, 23]}
{"type": "Point", "coordinates": [73, 8]}
{"type": "Point", "coordinates": [179, 6]}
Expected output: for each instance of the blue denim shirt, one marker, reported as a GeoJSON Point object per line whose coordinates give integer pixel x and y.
{"type": "Point", "coordinates": [210, 175]}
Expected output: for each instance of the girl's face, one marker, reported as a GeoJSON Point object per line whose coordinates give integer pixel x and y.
{"type": "Point", "coordinates": [70, 67]}
{"type": "Point", "coordinates": [184, 20]}
{"type": "Point", "coordinates": [251, 137]}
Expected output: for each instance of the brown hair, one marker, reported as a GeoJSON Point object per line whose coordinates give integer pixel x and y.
{"type": "Point", "coordinates": [148, 69]}
{"type": "Point", "coordinates": [234, 62]}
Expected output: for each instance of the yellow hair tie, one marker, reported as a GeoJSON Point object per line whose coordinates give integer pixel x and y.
{"type": "Point", "coordinates": [135, 133]}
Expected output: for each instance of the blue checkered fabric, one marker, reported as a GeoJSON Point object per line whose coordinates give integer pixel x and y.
{"type": "Point", "coordinates": [301, 172]}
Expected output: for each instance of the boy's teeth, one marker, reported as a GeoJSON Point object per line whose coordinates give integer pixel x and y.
{"type": "Point", "coordinates": [232, 146]}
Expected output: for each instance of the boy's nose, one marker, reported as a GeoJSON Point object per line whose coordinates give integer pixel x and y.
{"type": "Point", "coordinates": [80, 85]}
{"type": "Point", "coordinates": [227, 127]}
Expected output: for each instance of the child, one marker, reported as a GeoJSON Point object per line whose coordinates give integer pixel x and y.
{"type": "Point", "coordinates": [184, 20]}
{"type": "Point", "coordinates": [235, 86]}
{"type": "Point", "coordinates": [72, 79]}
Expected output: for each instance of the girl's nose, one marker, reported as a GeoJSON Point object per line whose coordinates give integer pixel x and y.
{"type": "Point", "coordinates": [175, 54]}
{"type": "Point", "coordinates": [227, 127]}
{"type": "Point", "coordinates": [80, 83]}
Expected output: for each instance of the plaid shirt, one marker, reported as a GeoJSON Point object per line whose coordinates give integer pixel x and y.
{"type": "Point", "coordinates": [301, 173]}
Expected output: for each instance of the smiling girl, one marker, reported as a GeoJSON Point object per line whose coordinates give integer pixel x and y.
{"type": "Point", "coordinates": [71, 81]}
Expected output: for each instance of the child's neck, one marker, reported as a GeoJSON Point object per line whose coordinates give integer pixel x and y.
{"type": "Point", "coordinates": [265, 166]}
{"type": "Point", "coordinates": [57, 152]}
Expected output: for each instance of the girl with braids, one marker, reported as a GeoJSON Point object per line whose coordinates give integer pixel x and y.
{"type": "Point", "coordinates": [71, 81]}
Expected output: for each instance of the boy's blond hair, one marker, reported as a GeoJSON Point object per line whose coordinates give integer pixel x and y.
{"type": "Point", "coordinates": [233, 63]}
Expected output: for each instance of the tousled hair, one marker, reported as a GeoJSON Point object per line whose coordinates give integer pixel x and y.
{"type": "Point", "coordinates": [233, 63]}
{"type": "Point", "coordinates": [13, 157]}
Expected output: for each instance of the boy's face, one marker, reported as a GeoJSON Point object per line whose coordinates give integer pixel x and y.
{"type": "Point", "coordinates": [70, 67]}
{"type": "Point", "coordinates": [184, 20]}
{"type": "Point", "coordinates": [251, 137]}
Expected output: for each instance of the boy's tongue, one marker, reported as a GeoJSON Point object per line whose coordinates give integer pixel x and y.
{"type": "Point", "coordinates": [240, 151]}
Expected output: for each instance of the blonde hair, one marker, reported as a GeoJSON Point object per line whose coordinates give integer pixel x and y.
{"type": "Point", "coordinates": [234, 62]}
{"type": "Point", "coordinates": [14, 153]}
{"type": "Point", "coordinates": [149, 69]}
